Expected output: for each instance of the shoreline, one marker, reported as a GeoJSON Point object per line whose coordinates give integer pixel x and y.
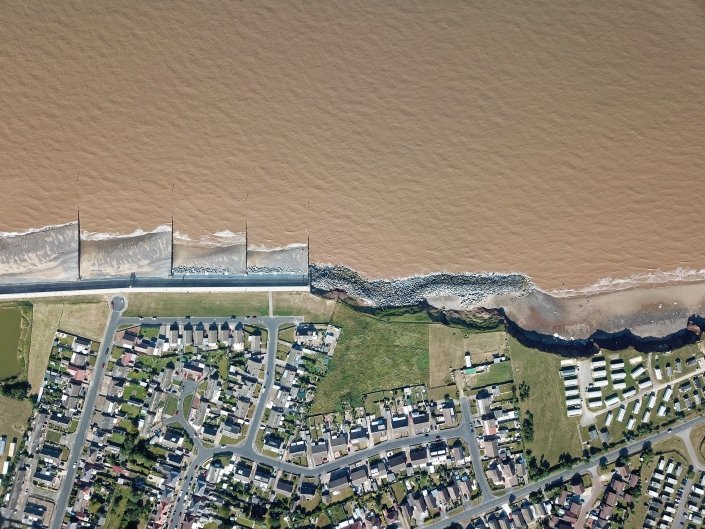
{"type": "Point", "coordinates": [651, 304]}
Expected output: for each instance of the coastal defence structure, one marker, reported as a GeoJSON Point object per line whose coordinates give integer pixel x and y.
{"type": "Point", "coordinates": [66, 259]}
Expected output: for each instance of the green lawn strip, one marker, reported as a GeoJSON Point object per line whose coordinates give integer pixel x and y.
{"type": "Point", "coordinates": [287, 333]}
{"type": "Point", "coordinates": [11, 352]}
{"type": "Point", "coordinates": [312, 308]}
{"type": "Point", "coordinates": [497, 374]}
{"type": "Point", "coordinates": [554, 432]}
{"type": "Point", "coordinates": [135, 390]}
{"type": "Point", "coordinates": [210, 304]}
{"type": "Point", "coordinates": [187, 404]}
{"type": "Point", "coordinates": [53, 436]}
{"type": "Point", "coordinates": [171, 405]}
{"type": "Point", "coordinates": [371, 355]}
{"type": "Point", "coordinates": [130, 409]}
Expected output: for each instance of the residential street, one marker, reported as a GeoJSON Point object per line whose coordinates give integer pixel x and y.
{"type": "Point", "coordinates": [246, 448]}
{"type": "Point", "coordinates": [87, 412]}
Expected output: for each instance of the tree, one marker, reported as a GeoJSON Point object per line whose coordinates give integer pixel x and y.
{"type": "Point", "coordinates": [527, 427]}
{"type": "Point", "coordinates": [524, 391]}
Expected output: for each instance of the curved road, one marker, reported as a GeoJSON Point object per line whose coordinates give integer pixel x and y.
{"type": "Point", "coordinates": [246, 447]}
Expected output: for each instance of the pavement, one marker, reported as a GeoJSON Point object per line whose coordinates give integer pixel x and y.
{"type": "Point", "coordinates": [259, 281]}
{"type": "Point", "coordinates": [692, 453]}
{"type": "Point", "coordinates": [118, 305]}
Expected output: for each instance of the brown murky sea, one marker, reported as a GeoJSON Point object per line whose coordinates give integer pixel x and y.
{"type": "Point", "coordinates": [561, 139]}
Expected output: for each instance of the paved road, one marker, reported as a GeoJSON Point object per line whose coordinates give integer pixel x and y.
{"type": "Point", "coordinates": [471, 438]}
{"type": "Point", "coordinates": [246, 447]}
{"type": "Point", "coordinates": [180, 282]}
{"type": "Point", "coordinates": [516, 494]}
{"type": "Point", "coordinates": [86, 414]}
{"type": "Point", "coordinates": [679, 518]}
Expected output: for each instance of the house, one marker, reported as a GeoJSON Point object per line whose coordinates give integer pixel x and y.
{"type": "Point", "coordinates": [338, 480]}
{"type": "Point", "coordinates": [396, 462]}
{"type": "Point", "coordinates": [284, 487]}
{"type": "Point", "coordinates": [400, 425]}
{"type": "Point", "coordinates": [359, 436]}
{"type": "Point", "coordinates": [239, 337]}
{"type": "Point", "coordinates": [298, 448]}
{"type": "Point", "coordinates": [193, 370]}
{"type": "Point", "coordinates": [319, 452]}
{"type": "Point", "coordinates": [224, 332]}
{"type": "Point", "coordinates": [421, 421]}
{"type": "Point", "coordinates": [378, 429]}
{"type": "Point", "coordinates": [339, 444]}
{"type": "Point", "coordinates": [307, 490]}
{"type": "Point", "coordinates": [358, 476]}
{"type": "Point", "coordinates": [263, 476]}
{"type": "Point", "coordinates": [173, 335]}
{"type": "Point", "coordinates": [187, 336]}
{"type": "Point", "coordinates": [306, 334]}
{"type": "Point", "coordinates": [418, 456]}
{"type": "Point", "coordinates": [243, 471]}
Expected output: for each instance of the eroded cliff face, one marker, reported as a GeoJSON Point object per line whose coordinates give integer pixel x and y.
{"type": "Point", "coordinates": [650, 320]}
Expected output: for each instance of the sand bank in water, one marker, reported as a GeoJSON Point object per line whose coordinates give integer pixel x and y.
{"type": "Point", "coordinates": [144, 254]}
{"type": "Point", "coordinates": [46, 254]}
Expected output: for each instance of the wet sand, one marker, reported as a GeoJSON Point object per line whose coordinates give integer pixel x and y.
{"type": "Point", "coordinates": [214, 255]}
{"type": "Point", "coordinates": [655, 311]}
{"type": "Point", "coordinates": [48, 254]}
{"type": "Point", "coordinates": [147, 254]}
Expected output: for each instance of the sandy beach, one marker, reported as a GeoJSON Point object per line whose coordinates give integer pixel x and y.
{"type": "Point", "coordinates": [646, 311]}
{"type": "Point", "coordinates": [141, 253]}
{"type": "Point", "coordinates": [292, 259]}
{"type": "Point", "coordinates": [46, 254]}
{"type": "Point", "coordinates": [216, 254]}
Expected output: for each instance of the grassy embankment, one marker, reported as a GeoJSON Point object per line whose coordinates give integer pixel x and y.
{"type": "Point", "coordinates": [198, 304]}
{"type": "Point", "coordinates": [554, 432]}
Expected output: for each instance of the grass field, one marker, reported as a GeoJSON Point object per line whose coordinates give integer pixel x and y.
{"type": "Point", "coordinates": [85, 316]}
{"type": "Point", "coordinates": [447, 347]}
{"type": "Point", "coordinates": [197, 304]}
{"type": "Point", "coordinates": [554, 432]}
{"type": "Point", "coordinates": [371, 355]}
{"type": "Point", "coordinates": [11, 356]}
{"type": "Point", "coordinates": [313, 308]}
{"type": "Point", "coordinates": [14, 418]}
{"type": "Point", "coordinates": [697, 438]}
{"type": "Point", "coordinates": [497, 374]}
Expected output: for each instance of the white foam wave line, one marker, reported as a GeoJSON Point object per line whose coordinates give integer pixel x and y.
{"type": "Point", "coordinates": [36, 230]}
{"type": "Point", "coordinates": [102, 236]}
{"type": "Point", "coordinates": [262, 248]}
{"type": "Point", "coordinates": [221, 238]}
{"type": "Point", "coordinates": [609, 284]}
